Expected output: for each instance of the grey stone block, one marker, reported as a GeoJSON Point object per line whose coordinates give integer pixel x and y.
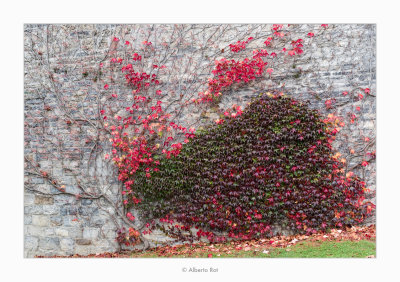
{"type": "Point", "coordinates": [27, 219]}
{"type": "Point", "coordinates": [40, 220]}
{"type": "Point", "coordinates": [74, 232]}
{"type": "Point", "coordinates": [87, 210]}
{"type": "Point", "coordinates": [48, 231]}
{"type": "Point", "coordinates": [87, 202]}
{"type": "Point", "coordinates": [37, 180]}
{"type": "Point", "coordinates": [49, 243]}
{"type": "Point", "coordinates": [61, 232]}
{"type": "Point", "coordinates": [31, 230]}
{"type": "Point", "coordinates": [56, 220]}
{"type": "Point", "coordinates": [51, 210]}
{"type": "Point", "coordinates": [84, 250]}
{"type": "Point", "coordinates": [31, 243]}
{"type": "Point", "coordinates": [33, 210]}
{"type": "Point", "coordinates": [90, 233]}
{"type": "Point", "coordinates": [98, 220]}
{"type": "Point", "coordinates": [63, 199]}
{"type": "Point", "coordinates": [57, 171]}
{"type": "Point", "coordinates": [67, 245]}
{"type": "Point", "coordinates": [29, 199]}
{"type": "Point", "coordinates": [69, 210]}
{"type": "Point", "coordinates": [69, 221]}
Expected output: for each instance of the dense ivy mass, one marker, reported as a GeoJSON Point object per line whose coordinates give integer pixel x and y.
{"type": "Point", "coordinates": [272, 165]}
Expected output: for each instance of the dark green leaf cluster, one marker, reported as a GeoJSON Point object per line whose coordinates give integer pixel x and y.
{"type": "Point", "coordinates": [270, 166]}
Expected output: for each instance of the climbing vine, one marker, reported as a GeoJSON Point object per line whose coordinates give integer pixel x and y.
{"type": "Point", "coordinates": [271, 166]}
{"type": "Point", "coordinates": [130, 119]}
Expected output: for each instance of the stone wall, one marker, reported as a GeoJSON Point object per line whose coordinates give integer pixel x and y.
{"type": "Point", "coordinates": [63, 91]}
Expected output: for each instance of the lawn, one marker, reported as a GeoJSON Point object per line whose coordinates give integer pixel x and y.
{"type": "Point", "coordinates": [326, 249]}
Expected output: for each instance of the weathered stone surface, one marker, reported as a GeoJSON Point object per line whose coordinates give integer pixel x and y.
{"type": "Point", "coordinates": [85, 250]}
{"type": "Point", "coordinates": [43, 200]}
{"type": "Point", "coordinates": [49, 231]}
{"type": "Point", "coordinates": [49, 243]}
{"type": "Point", "coordinates": [336, 60]}
{"type": "Point", "coordinates": [98, 220]}
{"type": "Point", "coordinates": [40, 220]}
{"type": "Point", "coordinates": [91, 233]}
{"type": "Point", "coordinates": [34, 230]}
{"type": "Point", "coordinates": [29, 199]}
{"type": "Point", "coordinates": [33, 210]}
{"type": "Point", "coordinates": [68, 231]}
{"type": "Point", "coordinates": [52, 210]}
{"type": "Point", "coordinates": [62, 232]}
{"type": "Point", "coordinates": [87, 202]}
{"type": "Point", "coordinates": [83, 241]}
{"type": "Point", "coordinates": [56, 220]}
{"type": "Point", "coordinates": [31, 243]}
{"type": "Point", "coordinates": [27, 219]}
{"type": "Point", "coordinates": [69, 210]}
{"type": "Point", "coordinates": [67, 245]}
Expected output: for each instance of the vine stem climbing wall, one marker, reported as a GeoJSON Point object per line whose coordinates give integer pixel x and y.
{"type": "Point", "coordinates": [75, 92]}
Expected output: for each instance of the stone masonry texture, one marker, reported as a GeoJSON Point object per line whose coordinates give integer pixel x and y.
{"type": "Point", "coordinates": [63, 89]}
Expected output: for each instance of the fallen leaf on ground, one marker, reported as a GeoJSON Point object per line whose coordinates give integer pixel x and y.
{"type": "Point", "coordinates": [355, 233]}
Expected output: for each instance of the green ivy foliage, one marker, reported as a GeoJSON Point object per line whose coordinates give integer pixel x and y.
{"type": "Point", "coordinates": [270, 166]}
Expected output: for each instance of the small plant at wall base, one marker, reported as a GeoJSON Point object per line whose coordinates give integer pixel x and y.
{"type": "Point", "coordinates": [271, 166]}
